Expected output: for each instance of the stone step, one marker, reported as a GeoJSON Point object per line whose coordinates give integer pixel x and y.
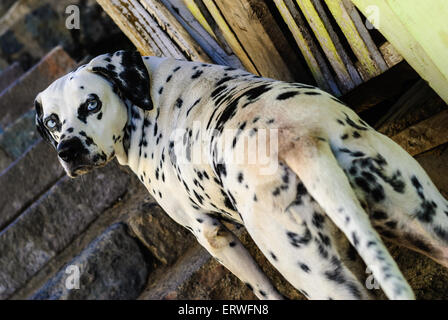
{"type": "Point", "coordinates": [5, 160]}
{"type": "Point", "coordinates": [198, 276]}
{"type": "Point", "coordinates": [162, 236]}
{"type": "Point", "coordinates": [113, 266]}
{"type": "Point", "coordinates": [126, 205]}
{"type": "Point", "coordinates": [26, 179]}
{"type": "Point", "coordinates": [17, 138]}
{"type": "Point", "coordinates": [9, 75]}
{"type": "Point", "coordinates": [18, 99]}
{"type": "Point", "coordinates": [54, 221]}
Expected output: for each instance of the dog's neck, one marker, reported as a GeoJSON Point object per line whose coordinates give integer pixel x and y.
{"type": "Point", "coordinates": [129, 149]}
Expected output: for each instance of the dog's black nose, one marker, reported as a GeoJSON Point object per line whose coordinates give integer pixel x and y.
{"type": "Point", "coordinates": [71, 149]}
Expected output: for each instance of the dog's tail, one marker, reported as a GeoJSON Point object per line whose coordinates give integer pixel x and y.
{"type": "Point", "coordinates": [315, 164]}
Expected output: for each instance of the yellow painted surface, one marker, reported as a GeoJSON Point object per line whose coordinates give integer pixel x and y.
{"type": "Point", "coordinates": [418, 29]}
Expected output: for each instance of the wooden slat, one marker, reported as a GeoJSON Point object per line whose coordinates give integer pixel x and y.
{"type": "Point", "coordinates": [200, 35]}
{"type": "Point", "coordinates": [175, 31]}
{"type": "Point", "coordinates": [369, 57]}
{"type": "Point", "coordinates": [196, 12]}
{"type": "Point", "coordinates": [215, 28]}
{"type": "Point", "coordinates": [140, 28]}
{"type": "Point", "coordinates": [425, 135]}
{"type": "Point", "coordinates": [352, 70]}
{"type": "Point", "coordinates": [315, 61]}
{"type": "Point", "coordinates": [390, 54]}
{"type": "Point", "coordinates": [329, 44]}
{"type": "Point", "coordinates": [245, 18]}
{"type": "Point", "coordinates": [230, 37]}
{"type": "Point", "coordinates": [376, 54]}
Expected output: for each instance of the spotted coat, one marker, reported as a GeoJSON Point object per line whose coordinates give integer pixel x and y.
{"type": "Point", "coordinates": [316, 202]}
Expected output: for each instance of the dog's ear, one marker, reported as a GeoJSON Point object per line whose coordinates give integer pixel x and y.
{"type": "Point", "coordinates": [127, 72]}
{"type": "Point", "coordinates": [40, 125]}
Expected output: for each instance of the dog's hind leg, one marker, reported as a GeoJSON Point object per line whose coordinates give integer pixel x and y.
{"type": "Point", "coordinates": [225, 247]}
{"type": "Point", "coordinates": [302, 243]}
{"type": "Point", "coordinates": [313, 161]}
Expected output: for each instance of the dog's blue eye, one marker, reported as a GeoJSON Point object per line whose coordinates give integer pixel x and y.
{"type": "Point", "coordinates": [51, 124]}
{"type": "Point", "coordinates": [92, 106]}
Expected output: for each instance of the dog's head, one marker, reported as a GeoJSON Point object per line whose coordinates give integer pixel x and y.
{"type": "Point", "coordinates": [83, 115]}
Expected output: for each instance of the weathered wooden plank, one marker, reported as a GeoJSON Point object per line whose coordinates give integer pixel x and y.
{"type": "Point", "coordinates": [328, 40]}
{"type": "Point", "coordinates": [215, 28]}
{"type": "Point", "coordinates": [245, 18]}
{"type": "Point", "coordinates": [370, 66]}
{"type": "Point", "coordinates": [140, 28]}
{"type": "Point", "coordinates": [175, 31]}
{"type": "Point", "coordinates": [230, 37]}
{"type": "Point", "coordinates": [200, 35]}
{"type": "Point", "coordinates": [425, 135]}
{"type": "Point", "coordinates": [418, 30]}
{"type": "Point", "coordinates": [390, 54]}
{"type": "Point", "coordinates": [352, 70]}
{"type": "Point", "coordinates": [365, 35]}
{"type": "Point", "coordinates": [314, 59]}
{"type": "Point", "coordinates": [196, 12]}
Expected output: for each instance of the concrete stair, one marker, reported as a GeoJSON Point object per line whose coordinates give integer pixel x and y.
{"type": "Point", "coordinates": [9, 75]}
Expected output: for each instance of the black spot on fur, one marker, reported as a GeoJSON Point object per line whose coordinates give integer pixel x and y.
{"type": "Point", "coordinates": [427, 209]}
{"type": "Point", "coordinates": [355, 239]}
{"type": "Point", "coordinates": [336, 274]}
{"type": "Point", "coordinates": [179, 103]}
{"type": "Point", "coordinates": [287, 95]}
{"type": "Point", "coordinates": [304, 267]}
{"type": "Point", "coordinates": [318, 220]}
{"type": "Point", "coordinates": [441, 233]}
{"type": "Point", "coordinates": [197, 74]}
{"type": "Point", "coordinates": [312, 93]}
{"type": "Point", "coordinates": [351, 123]}
{"type": "Point", "coordinates": [379, 215]}
{"type": "Point", "coordinates": [194, 105]}
{"type": "Point", "coordinates": [297, 240]}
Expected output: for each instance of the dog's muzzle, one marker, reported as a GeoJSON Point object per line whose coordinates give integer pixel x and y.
{"type": "Point", "coordinates": [74, 154]}
{"type": "Point", "coordinates": [71, 150]}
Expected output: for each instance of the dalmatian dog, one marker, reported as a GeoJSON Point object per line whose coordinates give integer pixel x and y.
{"type": "Point", "coordinates": [312, 183]}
